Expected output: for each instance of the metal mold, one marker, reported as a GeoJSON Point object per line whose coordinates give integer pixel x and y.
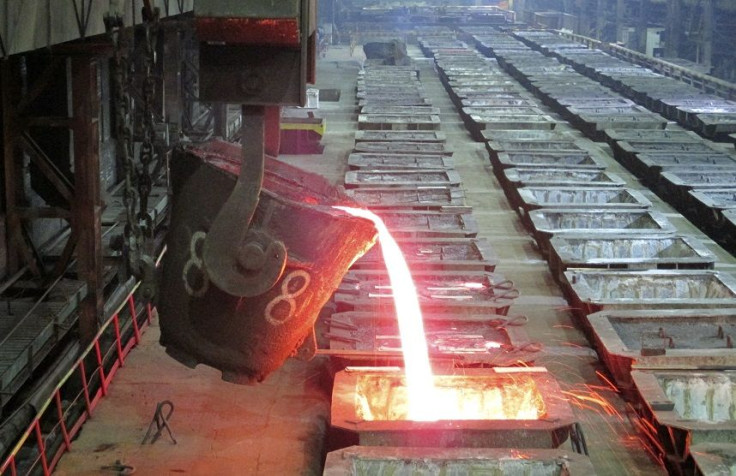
{"type": "Point", "coordinates": [385, 386]}
{"type": "Point", "coordinates": [447, 223]}
{"type": "Point", "coordinates": [715, 125]}
{"type": "Point", "coordinates": [628, 252]}
{"type": "Point", "coordinates": [482, 111]}
{"type": "Point", "coordinates": [649, 166]}
{"type": "Point", "coordinates": [401, 110]}
{"type": "Point", "coordinates": [711, 459]}
{"type": "Point", "coordinates": [593, 223]}
{"type": "Point", "coordinates": [400, 147]}
{"type": "Point", "coordinates": [623, 135]}
{"type": "Point", "coordinates": [664, 339]}
{"type": "Point", "coordinates": [675, 184]}
{"type": "Point", "coordinates": [667, 146]}
{"type": "Point", "coordinates": [577, 160]}
{"type": "Point", "coordinates": [399, 161]}
{"type": "Point", "coordinates": [595, 290]}
{"type": "Point", "coordinates": [593, 125]}
{"type": "Point", "coordinates": [401, 178]}
{"type": "Point", "coordinates": [558, 146]}
{"type": "Point", "coordinates": [466, 254]}
{"type": "Point", "coordinates": [439, 292]}
{"type": "Point", "coordinates": [517, 135]}
{"type": "Point", "coordinates": [491, 121]}
{"type": "Point", "coordinates": [707, 206]}
{"type": "Point", "coordinates": [398, 122]}
{"type": "Point", "coordinates": [558, 177]}
{"type": "Point", "coordinates": [367, 338]}
{"type": "Point", "coordinates": [532, 198]}
{"type": "Point", "coordinates": [381, 460]}
{"type": "Point", "coordinates": [400, 136]}
{"type": "Point", "coordinates": [394, 100]}
{"type": "Point", "coordinates": [412, 198]}
{"type": "Point", "coordinates": [491, 102]}
{"type": "Point", "coordinates": [688, 408]}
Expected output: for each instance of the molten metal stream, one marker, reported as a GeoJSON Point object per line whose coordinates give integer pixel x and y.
{"type": "Point", "coordinates": [419, 378]}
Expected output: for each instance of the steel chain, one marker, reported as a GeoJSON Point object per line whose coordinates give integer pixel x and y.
{"type": "Point", "coordinates": [148, 151]}
{"type": "Point", "coordinates": [137, 239]}
{"type": "Point", "coordinates": [132, 234]}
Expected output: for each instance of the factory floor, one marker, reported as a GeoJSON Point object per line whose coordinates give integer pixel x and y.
{"type": "Point", "coordinates": [279, 426]}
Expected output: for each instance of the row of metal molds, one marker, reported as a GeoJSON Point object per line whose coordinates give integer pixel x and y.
{"type": "Point", "coordinates": [467, 323]}
{"type": "Point", "coordinates": [488, 101]}
{"type": "Point", "coordinates": [675, 163]}
{"type": "Point", "coordinates": [661, 319]}
{"type": "Point", "coordinates": [710, 115]}
{"type": "Point", "coordinates": [407, 177]}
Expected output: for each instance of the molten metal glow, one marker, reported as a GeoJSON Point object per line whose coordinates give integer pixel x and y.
{"type": "Point", "coordinates": [422, 398]}
{"type": "Point", "coordinates": [420, 382]}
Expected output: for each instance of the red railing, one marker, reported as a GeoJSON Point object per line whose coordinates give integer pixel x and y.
{"type": "Point", "coordinates": [61, 417]}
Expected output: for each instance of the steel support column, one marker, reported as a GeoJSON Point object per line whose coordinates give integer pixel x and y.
{"type": "Point", "coordinates": [87, 209]}
{"type": "Point", "coordinates": [673, 27]}
{"type": "Point", "coordinates": [620, 19]}
{"type": "Point", "coordinates": [708, 21]}
{"type": "Point", "coordinates": [600, 18]}
{"type": "Point", "coordinates": [641, 27]}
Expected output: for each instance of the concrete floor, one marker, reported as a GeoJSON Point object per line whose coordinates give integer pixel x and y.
{"type": "Point", "coordinates": [279, 426]}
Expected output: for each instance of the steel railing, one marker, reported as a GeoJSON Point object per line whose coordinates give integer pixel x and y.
{"type": "Point", "coordinates": [61, 417]}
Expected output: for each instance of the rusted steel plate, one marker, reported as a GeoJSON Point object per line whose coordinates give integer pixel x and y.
{"type": "Point", "coordinates": [399, 161]}
{"type": "Point", "coordinates": [369, 338]}
{"type": "Point", "coordinates": [430, 223]}
{"type": "Point", "coordinates": [576, 160]}
{"type": "Point", "coordinates": [467, 254]}
{"type": "Point", "coordinates": [439, 292]}
{"type": "Point", "coordinates": [416, 197]}
{"type": "Point", "coordinates": [401, 178]}
{"type": "Point", "coordinates": [400, 136]}
{"type": "Point", "coordinates": [395, 147]}
{"type": "Point", "coordinates": [664, 339]}
{"type": "Point", "coordinates": [623, 251]}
